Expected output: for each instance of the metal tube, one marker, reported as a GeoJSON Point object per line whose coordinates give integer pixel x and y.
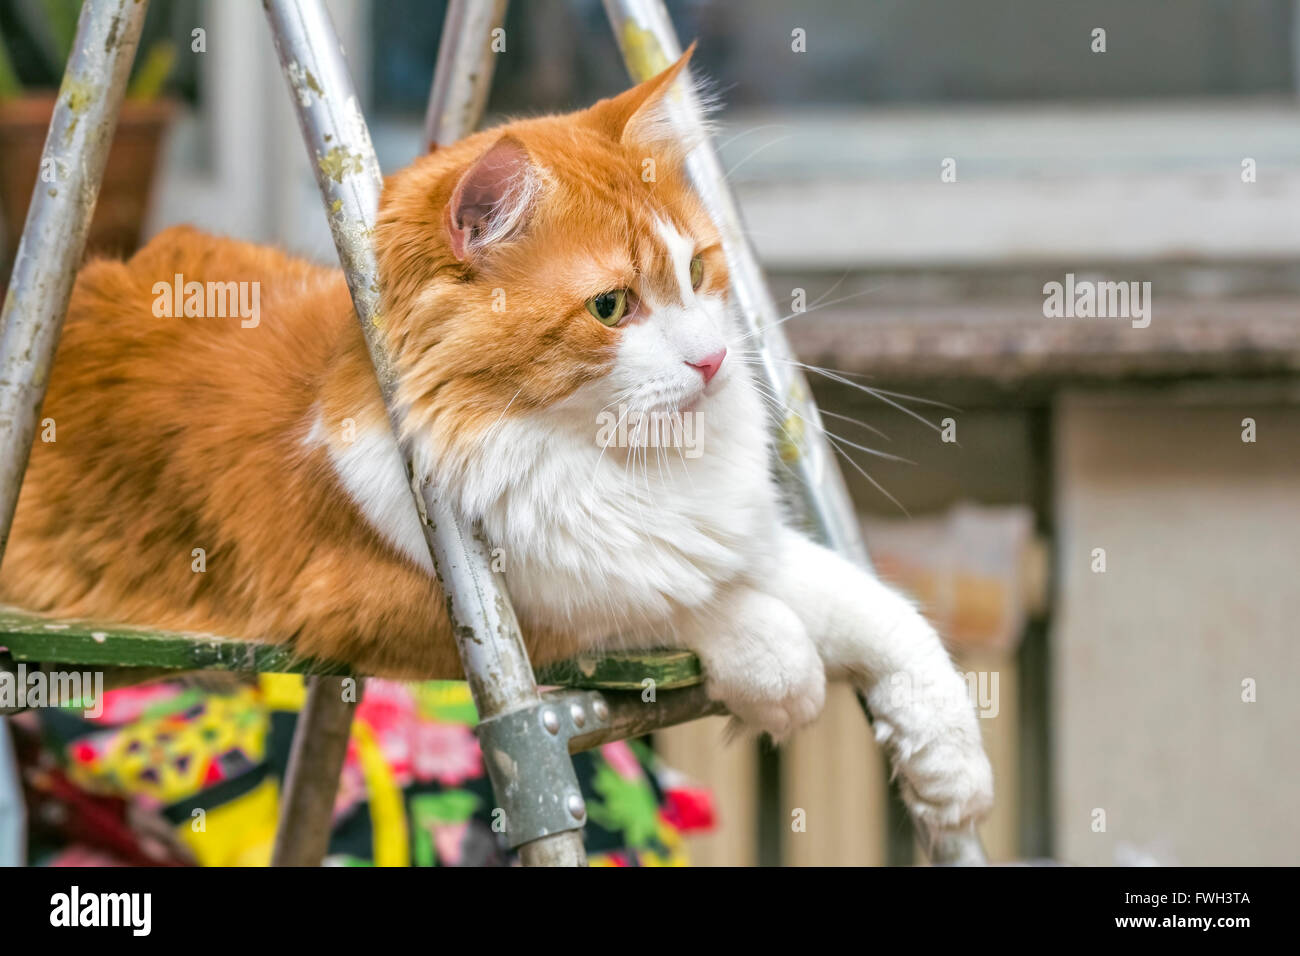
{"type": "Point", "coordinates": [347, 172]}
{"type": "Point", "coordinates": [13, 809]}
{"type": "Point", "coordinates": [631, 716]}
{"type": "Point", "coordinates": [58, 220]}
{"type": "Point", "coordinates": [952, 849]}
{"type": "Point", "coordinates": [812, 478]}
{"type": "Point", "coordinates": [649, 45]}
{"type": "Point", "coordinates": [311, 781]}
{"type": "Point", "coordinates": [461, 82]}
{"type": "Point", "coordinates": [463, 76]}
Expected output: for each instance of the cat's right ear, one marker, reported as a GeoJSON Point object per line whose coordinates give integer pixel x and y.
{"type": "Point", "coordinates": [493, 198]}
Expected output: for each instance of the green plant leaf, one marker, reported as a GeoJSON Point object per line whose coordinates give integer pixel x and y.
{"type": "Point", "coordinates": [10, 86]}
{"type": "Point", "coordinates": [153, 72]}
{"type": "Point", "coordinates": [51, 26]}
{"type": "Point", "coordinates": [61, 16]}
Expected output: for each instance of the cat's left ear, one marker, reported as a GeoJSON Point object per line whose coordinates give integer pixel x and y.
{"type": "Point", "coordinates": [493, 198]}
{"type": "Point", "coordinates": [637, 115]}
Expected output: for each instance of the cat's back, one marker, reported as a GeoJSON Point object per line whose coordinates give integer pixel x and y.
{"type": "Point", "coordinates": [194, 333]}
{"type": "Point", "coordinates": [165, 429]}
{"type": "Point", "coordinates": [192, 297]}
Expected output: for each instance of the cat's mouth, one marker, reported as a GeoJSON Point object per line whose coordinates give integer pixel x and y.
{"type": "Point", "coordinates": [690, 401]}
{"type": "Point", "coordinates": [706, 390]}
{"type": "Point", "coordinates": [700, 397]}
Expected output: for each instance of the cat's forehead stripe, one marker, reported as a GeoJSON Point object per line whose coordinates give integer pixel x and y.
{"type": "Point", "coordinates": [668, 278]}
{"type": "Point", "coordinates": [680, 250]}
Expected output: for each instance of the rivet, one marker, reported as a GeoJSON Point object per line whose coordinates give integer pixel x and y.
{"type": "Point", "coordinates": [551, 721]}
{"type": "Point", "coordinates": [577, 809]}
{"type": "Point", "coordinates": [600, 709]}
{"type": "Point", "coordinates": [578, 714]}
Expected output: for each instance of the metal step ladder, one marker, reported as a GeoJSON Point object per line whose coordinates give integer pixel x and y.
{"type": "Point", "coordinates": [526, 735]}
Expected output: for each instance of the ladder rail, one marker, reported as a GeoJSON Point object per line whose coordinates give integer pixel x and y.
{"type": "Point", "coordinates": [57, 224]}
{"type": "Point", "coordinates": [311, 780]}
{"type": "Point", "coordinates": [487, 632]}
{"type": "Point", "coordinates": [462, 76]}
{"type": "Point", "coordinates": [13, 808]}
{"type": "Point", "coordinates": [45, 267]}
{"type": "Point", "coordinates": [347, 173]}
{"type": "Point", "coordinates": [812, 476]}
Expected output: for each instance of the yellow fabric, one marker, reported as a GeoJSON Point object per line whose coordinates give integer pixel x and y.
{"type": "Point", "coordinates": [240, 833]}
{"type": "Point", "coordinates": [391, 841]}
{"type": "Point", "coordinates": [676, 854]}
{"type": "Point", "coordinates": [283, 691]}
{"type": "Point", "coordinates": [166, 758]}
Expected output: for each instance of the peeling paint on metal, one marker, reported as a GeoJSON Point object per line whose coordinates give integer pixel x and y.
{"type": "Point", "coordinates": [312, 84]}
{"type": "Point", "coordinates": [338, 162]}
{"type": "Point", "coordinates": [506, 765]}
{"type": "Point", "coordinates": [645, 57]}
{"type": "Point", "coordinates": [298, 80]}
{"type": "Point", "coordinates": [111, 40]}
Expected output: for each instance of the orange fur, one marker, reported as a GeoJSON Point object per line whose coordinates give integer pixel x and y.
{"type": "Point", "coordinates": [182, 433]}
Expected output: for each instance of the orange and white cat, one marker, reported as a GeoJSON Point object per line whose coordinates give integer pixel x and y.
{"type": "Point", "coordinates": [533, 280]}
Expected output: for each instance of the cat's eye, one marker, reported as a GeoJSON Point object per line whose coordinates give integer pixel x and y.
{"type": "Point", "coordinates": [608, 307]}
{"type": "Point", "coordinates": [697, 272]}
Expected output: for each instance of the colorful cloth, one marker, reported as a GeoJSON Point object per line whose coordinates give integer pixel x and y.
{"type": "Point", "coordinates": [171, 773]}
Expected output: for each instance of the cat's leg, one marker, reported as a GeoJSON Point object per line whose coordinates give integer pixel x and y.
{"type": "Point", "coordinates": [758, 660]}
{"type": "Point", "coordinates": [923, 714]}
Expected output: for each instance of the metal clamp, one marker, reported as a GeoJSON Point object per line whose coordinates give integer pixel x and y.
{"type": "Point", "coordinates": [526, 752]}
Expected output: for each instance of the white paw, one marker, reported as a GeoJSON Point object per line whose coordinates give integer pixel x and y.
{"type": "Point", "coordinates": [765, 670]}
{"type": "Point", "coordinates": [779, 707]}
{"type": "Point", "coordinates": [946, 783]}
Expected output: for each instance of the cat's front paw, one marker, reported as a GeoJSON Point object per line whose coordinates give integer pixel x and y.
{"type": "Point", "coordinates": [774, 701]}
{"type": "Point", "coordinates": [765, 669]}
{"type": "Point", "coordinates": [947, 783]}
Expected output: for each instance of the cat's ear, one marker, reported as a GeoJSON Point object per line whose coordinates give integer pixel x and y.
{"type": "Point", "coordinates": [493, 198]}
{"type": "Point", "coordinates": [637, 116]}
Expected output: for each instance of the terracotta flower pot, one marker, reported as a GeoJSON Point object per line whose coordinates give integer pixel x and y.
{"type": "Point", "coordinates": [128, 177]}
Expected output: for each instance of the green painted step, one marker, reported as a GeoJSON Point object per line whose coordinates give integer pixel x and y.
{"type": "Point", "coordinates": [38, 639]}
{"type": "Point", "coordinates": [668, 669]}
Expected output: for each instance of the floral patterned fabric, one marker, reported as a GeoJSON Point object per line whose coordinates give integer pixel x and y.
{"type": "Point", "coordinates": [171, 774]}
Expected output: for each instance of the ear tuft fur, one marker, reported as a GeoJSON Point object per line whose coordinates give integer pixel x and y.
{"type": "Point", "coordinates": [492, 201]}
{"type": "Point", "coordinates": [642, 116]}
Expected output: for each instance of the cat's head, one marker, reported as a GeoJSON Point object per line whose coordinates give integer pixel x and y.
{"type": "Point", "coordinates": [559, 265]}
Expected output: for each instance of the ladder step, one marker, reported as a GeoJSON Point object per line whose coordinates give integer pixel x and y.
{"type": "Point", "coordinates": [36, 638]}
{"type": "Point", "coordinates": [669, 669]}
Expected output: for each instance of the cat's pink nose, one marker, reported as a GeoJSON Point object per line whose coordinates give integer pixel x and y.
{"type": "Point", "coordinates": [709, 365]}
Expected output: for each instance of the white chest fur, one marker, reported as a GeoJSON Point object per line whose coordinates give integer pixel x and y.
{"type": "Point", "coordinates": [594, 540]}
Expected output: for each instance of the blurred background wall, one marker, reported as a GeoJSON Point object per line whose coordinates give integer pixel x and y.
{"type": "Point", "coordinates": [919, 171]}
